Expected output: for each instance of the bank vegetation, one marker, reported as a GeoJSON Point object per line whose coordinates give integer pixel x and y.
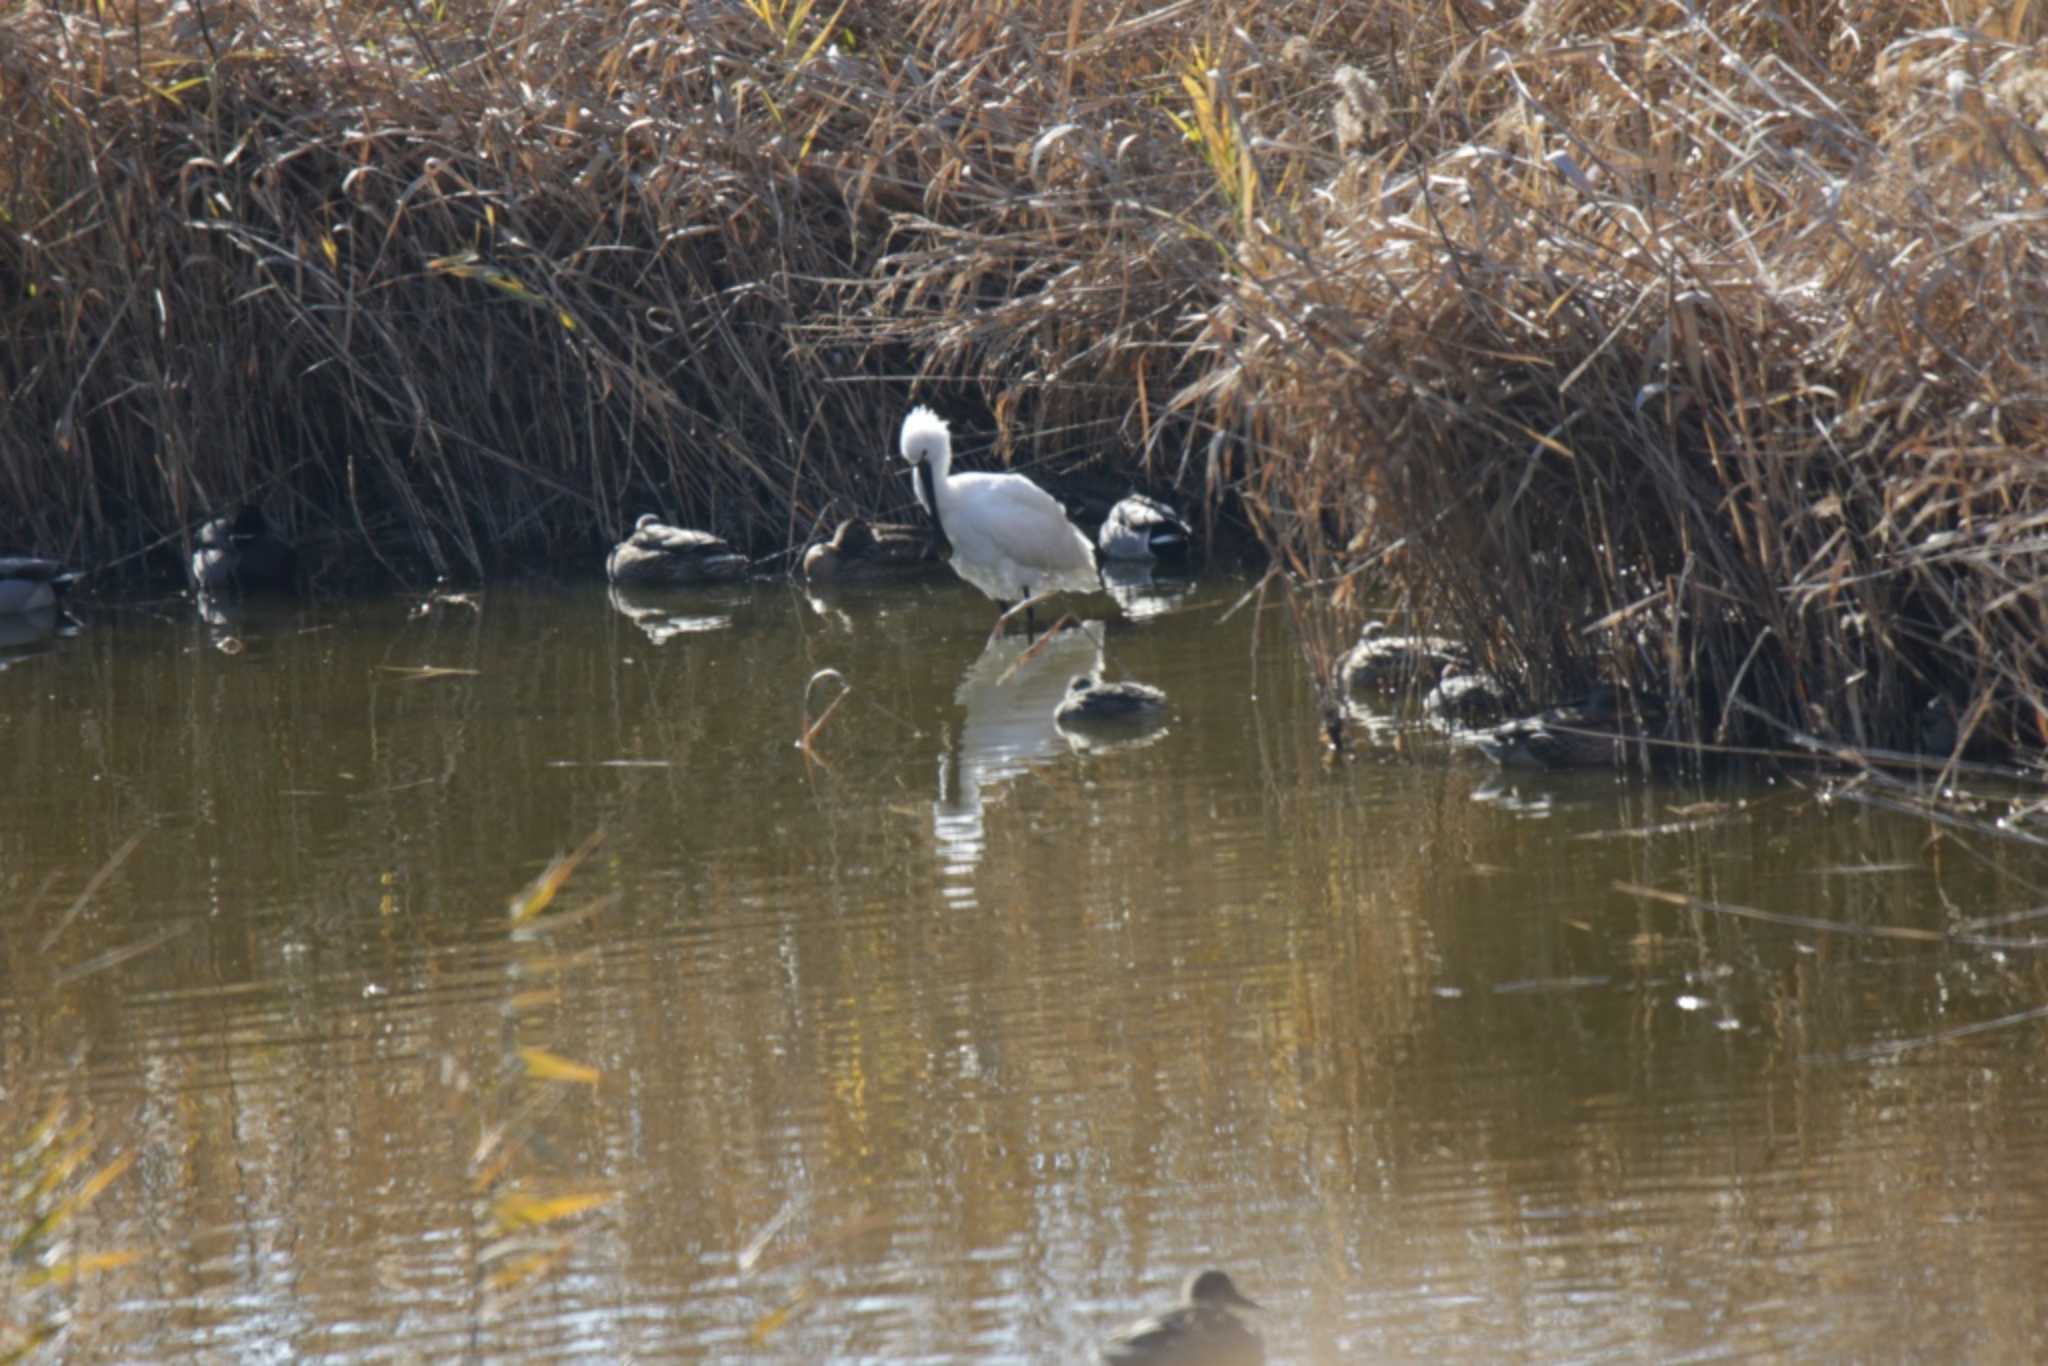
{"type": "Point", "coordinates": [1698, 346]}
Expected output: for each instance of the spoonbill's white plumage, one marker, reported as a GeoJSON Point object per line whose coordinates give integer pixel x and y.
{"type": "Point", "coordinates": [1141, 528]}
{"type": "Point", "coordinates": [1011, 539]}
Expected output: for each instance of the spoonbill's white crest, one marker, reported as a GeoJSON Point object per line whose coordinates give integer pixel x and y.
{"type": "Point", "coordinates": [1141, 528]}
{"type": "Point", "coordinates": [657, 555]}
{"type": "Point", "coordinates": [1011, 539]}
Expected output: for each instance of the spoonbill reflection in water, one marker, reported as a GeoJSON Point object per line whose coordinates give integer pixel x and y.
{"type": "Point", "coordinates": [1007, 696]}
{"type": "Point", "coordinates": [1011, 539]}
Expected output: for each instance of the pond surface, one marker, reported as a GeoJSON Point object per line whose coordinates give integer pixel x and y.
{"type": "Point", "coordinates": [960, 1041]}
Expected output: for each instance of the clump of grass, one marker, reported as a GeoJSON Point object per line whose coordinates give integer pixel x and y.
{"type": "Point", "coordinates": [1666, 352]}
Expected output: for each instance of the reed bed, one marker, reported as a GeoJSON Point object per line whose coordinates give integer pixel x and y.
{"type": "Point", "coordinates": [1697, 347]}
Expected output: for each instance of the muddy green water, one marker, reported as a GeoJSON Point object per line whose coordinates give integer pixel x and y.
{"type": "Point", "coordinates": [962, 1043]}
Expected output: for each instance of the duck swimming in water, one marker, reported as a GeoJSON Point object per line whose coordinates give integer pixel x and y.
{"type": "Point", "coordinates": [1200, 1331]}
{"type": "Point", "coordinates": [1384, 662]}
{"type": "Point", "coordinates": [658, 555]}
{"type": "Point", "coordinates": [29, 583]}
{"type": "Point", "coordinates": [1592, 732]}
{"type": "Point", "coordinates": [241, 554]}
{"type": "Point", "coordinates": [866, 552]}
{"type": "Point", "coordinates": [1141, 528]}
{"type": "Point", "coordinates": [1091, 702]}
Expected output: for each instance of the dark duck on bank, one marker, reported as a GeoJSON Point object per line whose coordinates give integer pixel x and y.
{"type": "Point", "coordinates": [1201, 1330]}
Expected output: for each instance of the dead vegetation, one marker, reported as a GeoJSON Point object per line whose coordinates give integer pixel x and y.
{"type": "Point", "coordinates": [1696, 347]}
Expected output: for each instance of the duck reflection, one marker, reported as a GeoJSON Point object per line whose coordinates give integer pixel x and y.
{"type": "Point", "coordinates": [1008, 728]}
{"type": "Point", "coordinates": [26, 634]}
{"type": "Point", "coordinates": [656, 615]}
{"type": "Point", "coordinates": [1144, 589]}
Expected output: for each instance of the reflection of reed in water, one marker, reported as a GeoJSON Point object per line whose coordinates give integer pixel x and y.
{"type": "Point", "coordinates": [1010, 694]}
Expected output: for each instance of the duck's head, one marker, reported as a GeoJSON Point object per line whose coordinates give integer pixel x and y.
{"type": "Point", "coordinates": [1081, 683]}
{"type": "Point", "coordinates": [1216, 1288]}
{"type": "Point", "coordinates": [854, 537]}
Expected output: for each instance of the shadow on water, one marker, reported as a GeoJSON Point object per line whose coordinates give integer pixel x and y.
{"type": "Point", "coordinates": [947, 1041]}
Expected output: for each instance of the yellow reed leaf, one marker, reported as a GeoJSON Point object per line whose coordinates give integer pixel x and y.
{"type": "Point", "coordinates": [546, 1066]}
{"type": "Point", "coordinates": [536, 897]}
{"type": "Point", "coordinates": [771, 1323]}
{"type": "Point", "coordinates": [524, 1269]}
{"type": "Point", "coordinates": [520, 1210]}
{"type": "Point", "coordinates": [73, 1268]}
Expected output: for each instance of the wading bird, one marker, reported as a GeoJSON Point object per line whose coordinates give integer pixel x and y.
{"type": "Point", "coordinates": [657, 555]}
{"type": "Point", "coordinates": [1141, 528]}
{"type": "Point", "coordinates": [1010, 538]}
{"type": "Point", "coordinates": [29, 583]}
{"type": "Point", "coordinates": [241, 553]}
{"type": "Point", "coordinates": [1199, 1331]}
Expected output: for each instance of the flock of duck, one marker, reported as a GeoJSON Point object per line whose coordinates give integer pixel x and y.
{"type": "Point", "coordinates": [1007, 537]}
{"type": "Point", "coordinates": [1598, 730]}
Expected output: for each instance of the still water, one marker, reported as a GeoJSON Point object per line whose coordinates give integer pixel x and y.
{"type": "Point", "coordinates": [958, 1040]}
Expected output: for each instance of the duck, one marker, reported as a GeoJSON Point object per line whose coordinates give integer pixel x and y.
{"type": "Point", "coordinates": [658, 555]}
{"type": "Point", "coordinates": [29, 583]}
{"type": "Point", "coordinates": [864, 552]}
{"type": "Point", "coordinates": [241, 553]}
{"type": "Point", "coordinates": [1011, 539]}
{"type": "Point", "coordinates": [1384, 662]}
{"type": "Point", "coordinates": [1141, 528]}
{"type": "Point", "coordinates": [1592, 732]}
{"type": "Point", "coordinates": [1090, 701]}
{"type": "Point", "coordinates": [1466, 697]}
{"type": "Point", "coordinates": [1199, 1331]}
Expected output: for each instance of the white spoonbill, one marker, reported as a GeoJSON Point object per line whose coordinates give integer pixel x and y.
{"type": "Point", "coordinates": [1011, 539]}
